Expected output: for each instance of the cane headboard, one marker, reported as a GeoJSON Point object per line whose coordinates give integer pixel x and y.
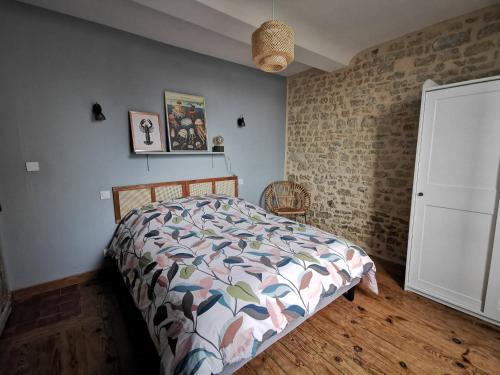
{"type": "Point", "coordinates": [126, 198]}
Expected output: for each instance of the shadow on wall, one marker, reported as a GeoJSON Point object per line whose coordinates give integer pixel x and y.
{"type": "Point", "coordinates": [387, 219]}
{"type": "Point", "coordinates": [362, 190]}
{"type": "Point", "coordinates": [351, 134]}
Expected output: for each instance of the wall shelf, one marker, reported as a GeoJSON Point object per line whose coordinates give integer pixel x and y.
{"type": "Point", "coordinates": [178, 153]}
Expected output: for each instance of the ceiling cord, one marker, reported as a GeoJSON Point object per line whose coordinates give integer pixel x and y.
{"type": "Point", "coordinates": [228, 165]}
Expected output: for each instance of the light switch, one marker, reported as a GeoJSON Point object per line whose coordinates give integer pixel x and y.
{"type": "Point", "coordinates": [32, 166]}
{"type": "Point", "coordinates": [105, 194]}
{"type": "Point", "coordinates": [241, 181]}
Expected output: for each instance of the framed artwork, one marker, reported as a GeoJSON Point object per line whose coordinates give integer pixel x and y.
{"type": "Point", "coordinates": [147, 133]}
{"type": "Point", "coordinates": [186, 122]}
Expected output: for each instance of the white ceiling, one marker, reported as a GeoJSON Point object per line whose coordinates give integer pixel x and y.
{"type": "Point", "coordinates": [328, 33]}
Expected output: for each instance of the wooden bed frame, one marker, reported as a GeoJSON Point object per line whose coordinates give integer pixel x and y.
{"type": "Point", "coordinates": [126, 198]}
{"type": "Point", "coordinates": [132, 196]}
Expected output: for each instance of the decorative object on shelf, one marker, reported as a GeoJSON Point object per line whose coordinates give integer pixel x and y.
{"type": "Point", "coordinates": [186, 122]}
{"type": "Point", "coordinates": [97, 112]}
{"type": "Point", "coordinates": [147, 133]}
{"type": "Point", "coordinates": [273, 45]}
{"type": "Point", "coordinates": [241, 121]}
{"type": "Point", "coordinates": [218, 142]}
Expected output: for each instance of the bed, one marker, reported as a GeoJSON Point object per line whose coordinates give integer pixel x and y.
{"type": "Point", "coordinates": [218, 279]}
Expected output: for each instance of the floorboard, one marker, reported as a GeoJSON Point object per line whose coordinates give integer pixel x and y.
{"type": "Point", "coordinates": [94, 328]}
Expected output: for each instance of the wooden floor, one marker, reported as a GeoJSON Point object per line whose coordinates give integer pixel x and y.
{"type": "Point", "coordinates": [95, 329]}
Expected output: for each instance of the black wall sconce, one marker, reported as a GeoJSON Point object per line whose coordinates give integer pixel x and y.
{"type": "Point", "coordinates": [97, 112]}
{"type": "Point", "coordinates": [241, 121]}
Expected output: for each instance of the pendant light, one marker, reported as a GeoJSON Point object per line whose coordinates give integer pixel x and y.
{"type": "Point", "coordinates": [273, 45]}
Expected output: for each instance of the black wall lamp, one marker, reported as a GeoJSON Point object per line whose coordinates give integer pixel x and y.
{"type": "Point", "coordinates": [241, 121]}
{"type": "Point", "coordinates": [97, 112]}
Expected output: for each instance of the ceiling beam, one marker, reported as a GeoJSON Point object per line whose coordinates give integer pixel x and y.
{"type": "Point", "coordinates": [188, 24]}
{"type": "Point", "coordinates": [216, 17]}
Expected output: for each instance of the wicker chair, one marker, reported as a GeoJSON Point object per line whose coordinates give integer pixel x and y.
{"type": "Point", "coordinates": [287, 198]}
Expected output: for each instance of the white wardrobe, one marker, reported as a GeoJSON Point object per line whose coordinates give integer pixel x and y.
{"type": "Point", "coordinates": [454, 240]}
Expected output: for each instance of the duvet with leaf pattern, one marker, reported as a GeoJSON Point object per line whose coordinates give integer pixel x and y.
{"type": "Point", "coordinates": [214, 276]}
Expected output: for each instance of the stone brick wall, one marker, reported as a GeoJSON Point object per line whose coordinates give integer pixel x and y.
{"type": "Point", "coordinates": [351, 134]}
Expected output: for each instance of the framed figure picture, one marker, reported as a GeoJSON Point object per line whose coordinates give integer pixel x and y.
{"type": "Point", "coordinates": [186, 122]}
{"type": "Point", "coordinates": [147, 133]}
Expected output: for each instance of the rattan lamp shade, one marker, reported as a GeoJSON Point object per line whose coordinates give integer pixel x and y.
{"type": "Point", "coordinates": [273, 46]}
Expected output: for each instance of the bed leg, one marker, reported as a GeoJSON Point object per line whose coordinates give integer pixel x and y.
{"type": "Point", "coordinates": [349, 295]}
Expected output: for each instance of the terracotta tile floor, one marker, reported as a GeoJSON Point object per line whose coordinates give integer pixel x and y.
{"type": "Point", "coordinates": [43, 309]}
{"type": "Point", "coordinates": [92, 328]}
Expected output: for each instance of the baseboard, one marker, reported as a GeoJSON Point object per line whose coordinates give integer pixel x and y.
{"type": "Point", "coordinates": [388, 259]}
{"type": "Point", "coordinates": [21, 294]}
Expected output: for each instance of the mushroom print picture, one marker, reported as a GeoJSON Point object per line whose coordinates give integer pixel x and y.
{"type": "Point", "coordinates": [147, 133]}
{"type": "Point", "coordinates": [186, 122]}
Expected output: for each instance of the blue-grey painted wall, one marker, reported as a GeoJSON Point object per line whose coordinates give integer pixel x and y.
{"type": "Point", "coordinates": [52, 68]}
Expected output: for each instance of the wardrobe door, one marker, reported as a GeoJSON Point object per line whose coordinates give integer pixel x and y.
{"type": "Point", "coordinates": [492, 302]}
{"type": "Point", "coordinates": [456, 193]}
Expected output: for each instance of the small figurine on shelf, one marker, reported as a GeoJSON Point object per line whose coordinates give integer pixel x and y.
{"type": "Point", "coordinates": [218, 142]}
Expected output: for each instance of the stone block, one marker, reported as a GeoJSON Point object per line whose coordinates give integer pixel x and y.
{"type": "Point", "coordinates": [452, 40]}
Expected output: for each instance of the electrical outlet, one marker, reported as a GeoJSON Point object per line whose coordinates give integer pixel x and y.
{"type": "Point", "coordinates": [241, 181]}
{"type": "Point", "coordinates": [32, 166]}
{"type": "Point", "coordinates": [105, 194]}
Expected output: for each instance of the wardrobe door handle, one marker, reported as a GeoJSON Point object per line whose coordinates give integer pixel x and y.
{"type": "Point", "coordinates": [420, 194]}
